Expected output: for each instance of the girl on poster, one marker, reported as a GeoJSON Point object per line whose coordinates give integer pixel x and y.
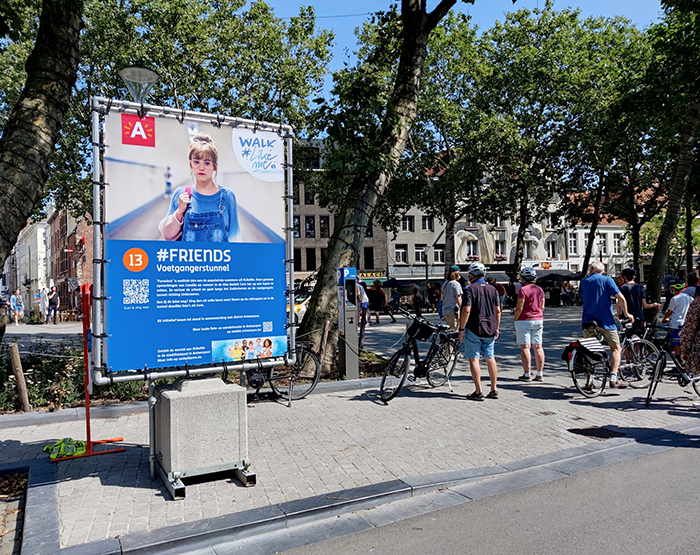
{"type": "Point", "coordinates": [205, 211]}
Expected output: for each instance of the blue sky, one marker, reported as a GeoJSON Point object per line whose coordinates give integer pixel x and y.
{"type": "Point", "coordinates": [344, 17]}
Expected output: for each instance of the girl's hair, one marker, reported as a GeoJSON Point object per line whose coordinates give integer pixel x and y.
{"type": "Point", "coordinates": [202, 146]}
{"type": "Point", "coordinates": [377, 283]}
{"type": "Point", "coordinates": [267, 343]}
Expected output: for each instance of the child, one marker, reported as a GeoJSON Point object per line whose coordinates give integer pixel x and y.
{"type": "Point", "coordinates": [677, 309]}
{"type": "Point", "coordinates": [267, 349]}
{"type": "Point", "coordinates": [236, 352]}
{"type": "Point", "coordinates": [205, 211]}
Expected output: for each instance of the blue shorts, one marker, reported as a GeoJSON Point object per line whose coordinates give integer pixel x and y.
{"type": "Point", "coordinates": [675, 336]}
{"type": "Point", "coordinates": [474, 345]}
{"type": "Point", "coordinates": [529, 332]}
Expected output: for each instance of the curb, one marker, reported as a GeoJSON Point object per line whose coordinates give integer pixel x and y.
{"type": "Point", "coordinates": [114, 410]}
{"type": "Point", "coordinates": [41, 529]}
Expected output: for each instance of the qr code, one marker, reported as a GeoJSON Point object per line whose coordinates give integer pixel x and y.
{"type": "Point", "coordinates": [135, 291]}
{"type": "Point", "coordinates": [267, 327]}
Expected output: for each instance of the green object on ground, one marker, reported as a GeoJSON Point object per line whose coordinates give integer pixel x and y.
{"type": "Point", "coordinates": [66, 447]}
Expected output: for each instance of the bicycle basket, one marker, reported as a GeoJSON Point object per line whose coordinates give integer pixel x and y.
{"type": "Point", "coordinates": [421, 331]}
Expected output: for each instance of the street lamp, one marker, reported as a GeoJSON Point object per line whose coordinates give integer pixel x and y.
{"type": "Point", "coordinates": [139, 81]}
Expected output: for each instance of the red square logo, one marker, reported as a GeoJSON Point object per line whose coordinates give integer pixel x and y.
{"type": "Point", "coordinates": [138, 131]}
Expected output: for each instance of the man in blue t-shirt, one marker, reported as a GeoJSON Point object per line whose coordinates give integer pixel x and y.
{"type": "Point", "coordinates": [596, 292]}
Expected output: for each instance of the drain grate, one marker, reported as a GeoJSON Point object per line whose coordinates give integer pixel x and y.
{"type": "Point", "coordinates": [597, 432]}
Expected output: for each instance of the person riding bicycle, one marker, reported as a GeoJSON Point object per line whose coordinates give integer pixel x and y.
{"type": "Point", "coordinates": [596, 292]}
{"type": "Point", "coordinates": [636, 297]}
{"type": "Point", "coordinates": [481, 318]}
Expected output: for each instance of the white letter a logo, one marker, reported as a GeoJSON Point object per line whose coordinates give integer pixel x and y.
{"type": "Point", "coordinates": [139, 130]}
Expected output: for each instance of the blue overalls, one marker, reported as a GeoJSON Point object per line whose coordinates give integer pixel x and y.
{"type": "Point", "coordinates": [205, 226]}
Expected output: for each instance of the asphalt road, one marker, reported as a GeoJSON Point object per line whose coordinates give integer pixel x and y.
{"type": "Point", "coordinates": [645, 506]}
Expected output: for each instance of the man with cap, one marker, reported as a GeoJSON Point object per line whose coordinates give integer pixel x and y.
{"type": "Point", "coordinates": [478, 329]}
{"type": "Point", "coordinates": [636, 297]}
{"type": "Point", "coordinates": [451, 296]}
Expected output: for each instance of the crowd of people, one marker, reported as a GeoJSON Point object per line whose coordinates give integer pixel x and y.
{"type": "Point", "coordinates": [474, 306]}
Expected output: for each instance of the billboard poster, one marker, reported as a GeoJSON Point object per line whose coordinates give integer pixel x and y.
{"type": "Point", "coordinates": [195, 242]}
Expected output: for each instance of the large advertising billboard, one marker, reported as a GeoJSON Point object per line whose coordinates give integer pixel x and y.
{"type": "Point", "coordinates": [195, 242]}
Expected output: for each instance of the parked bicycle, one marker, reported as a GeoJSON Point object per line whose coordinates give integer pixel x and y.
{"type": "Point", "coordinates": [678, 374]}
{"type": "Point", "coordinates": [291, 382]}
{"type": "Point", "coordinates": [589, 363]}
{"type": "Point", "coordinates": [437, 366]}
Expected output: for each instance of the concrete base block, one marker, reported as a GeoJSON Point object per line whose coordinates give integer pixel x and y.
{"type": "Point", "coordinates": [201, 426]}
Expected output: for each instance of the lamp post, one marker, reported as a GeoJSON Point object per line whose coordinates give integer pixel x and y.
{"type": "Point", "coordinates": [139, 81]}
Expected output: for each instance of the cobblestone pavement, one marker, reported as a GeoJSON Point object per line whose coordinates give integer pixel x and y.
{"type": "Point", "coordinates": [336, 440]}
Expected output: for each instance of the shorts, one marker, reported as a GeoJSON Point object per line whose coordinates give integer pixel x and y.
{"type": "Point", "coordinates": [452, 319]}
{"type": "Point", "coordinates": [611, 336]}
{"type": "Point", "coordinates": [473, 345]}
{"type": "Point", "coordinates": [675, 336]}
{"type": "Point", "coordinates": [529, 332]}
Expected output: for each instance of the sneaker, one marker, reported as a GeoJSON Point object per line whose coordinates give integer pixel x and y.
{"type": "Point", "coordinates": [525, 378]}
{"type": "Point", "coordinates": [492, 395]}
{"type": "Point", "coordinates": [475, 396]}
{"type": "Point", "coordinates": [619, 384]}
{"type": "Point", "coordinates": [539, 379]}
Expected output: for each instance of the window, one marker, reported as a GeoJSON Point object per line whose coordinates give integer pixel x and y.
{"type": "Point", "coordinates": [471, 222]}
{"type": "Point", "coordinates": [297, 260]}
{"type": "Point", "coordinates": [574, 268]}
{"type": "Point", "coordinates": [427, 223]}
{"type": "Point", "coordinates": [548, 221]}
{"type": "Point", "coordinates": [439, 254]}
{"type": "Point", "coordinates": [585, 241]}
{"type": "Point", "coordinates": [401, 254]}
{"type": "Point", "coordinates": [297, 226]}
{"type": "Point", "coordinates": [324, 252]}
{"type": "Point", "coordinates": [310, 260]}
{"type": "Point", "coordinates": [419, 254]}
{"type": "Point", "coordinates": [324, 225]}
{"type": "Point", "coordinates": [310, 225]}
{"type": "Point", "coordinates": [369, 258]}
{"type": "Point", "coordinates": [498, 222]}
{"type": "Point", "coordinates": [295, 196]}
{"type": "Point", "coordinates": [573, 243]}
{"type": "Point", "coordinates": [618, 269]}
{"type": "Point", "coordinates": [408, 223]}
{"type": "Point", "coordinates": [527, 251]}
{"type": "Point", "coordinates": [472, 250]}
{"type": "Point", "coordinates": [500, 247]}
{"type": "Point", "coordinates": [308, 196]}
{"type": "Point", "coordinates": [369, 232]}
{"type": "Point", "coordinates": [603, 243]}
{"type": "Point", "coordinates": [617, 243]}
{"type": "Point", "coordinates": [551, 249]}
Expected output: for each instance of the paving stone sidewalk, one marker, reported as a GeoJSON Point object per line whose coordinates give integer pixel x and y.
{"type": "Point", "coordinates": [336, 440]}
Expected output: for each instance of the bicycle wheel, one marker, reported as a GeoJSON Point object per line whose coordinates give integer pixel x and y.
{"type": "Point", "coordinates": [394, 375]}
{"type": "Point", "coordinates": [656, 374]}
{"type": "Point", "coordinates": [589, 377]}
{"type": "Point", "coordinates": [442, 365]}
{"type": "Point", "coordinates": [301, 378]}
{"type": "Point", "coordinates": [645, 356]}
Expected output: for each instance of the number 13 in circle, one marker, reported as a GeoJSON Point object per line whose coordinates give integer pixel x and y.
{"type": "Point", "coordinates": [135, 260]}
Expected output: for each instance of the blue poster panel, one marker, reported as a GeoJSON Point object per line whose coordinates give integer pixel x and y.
{"type": "Point", "coordinates": [195, 243]}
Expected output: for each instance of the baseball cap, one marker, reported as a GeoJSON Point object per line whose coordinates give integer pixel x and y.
{"type": "Point", "coordinates": [454, 268]}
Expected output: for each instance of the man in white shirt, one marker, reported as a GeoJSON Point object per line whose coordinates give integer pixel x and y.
{"type": "Point", "coordinates": [451, 295]}
{"type": "Point", "coordinates": [677, 309]}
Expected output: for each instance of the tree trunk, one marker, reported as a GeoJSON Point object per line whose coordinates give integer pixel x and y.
{"type": "Point", "coordinates": [450, 257]}
{"type": "Point", "coordinates": [522, 228]}
{"type": "Point", "coordinates": [600, 191]}
{"type": "Point", "coordinates": [31, 132]}
{"type": "Point", "coordinates": [688, 235]}
{"type": "Point", "coordinates": [635, 232]}
{"type": "Point", "coordinates": [347, 237]}
{"type": "Point", "coordinates": [675, 204]}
